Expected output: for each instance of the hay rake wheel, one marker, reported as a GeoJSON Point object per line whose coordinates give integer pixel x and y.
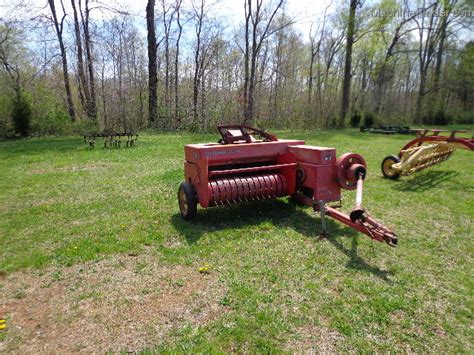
{"type": "Point", "coordinates": [387, 165]}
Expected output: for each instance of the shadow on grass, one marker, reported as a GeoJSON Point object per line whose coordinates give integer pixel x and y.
{"type": "Point", "coordinates": [356, 262]}
{"type": "Point", "coordinates": [280, 214]}
{"type": "Point", "coordinates": [424, 181]}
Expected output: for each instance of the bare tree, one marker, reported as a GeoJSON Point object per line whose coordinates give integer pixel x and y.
{"type": "Point", "coordinates": [429, 35]}
{"type": "Point", "coordinates": [386, 70]}
{"type": "Point", "coordinates": [86, 83]}
{"type": "Point", "coordinates": [258, 21]}
{"type": "Point", "coordinates": [448, 7]}
{"type": "Point", "coordinates": [167, 16]}
{"type": "Point", "coordinates": [59, 29]}
{"type": "Point", "coordinates": [315, 48]}
{"type": "Point", "coordinates": [152, 65]}
{"type": "Point", "coordinates": [346, 86]}
{"type": "Point", "coordinates": [176, 62]}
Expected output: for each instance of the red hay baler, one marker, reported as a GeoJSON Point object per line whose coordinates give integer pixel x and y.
{"type": "Point", "coordinates": [241, 168]}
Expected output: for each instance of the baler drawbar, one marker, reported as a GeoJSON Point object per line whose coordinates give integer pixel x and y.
{"type": "Point", "coordinates": [241, 168]}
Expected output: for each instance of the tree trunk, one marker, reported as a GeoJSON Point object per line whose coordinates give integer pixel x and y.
{"type": "Point", "coordinates": [83, 85]}
{"type": "Point", "coordinates": [248, 9]}
{"type": "Point", "coordinates": [421, 95]}
{"type": "Point", "coordinates": [197, 63]}
{"type": "Point", "coordinates": [58, 26]}
{"type": "Point", "coordinates": [346, 86]}
{"type": "Point", "coordinates": [439, 62]}
{"type": "Point", "coordinates": [176, 65]}
{"type": "Point", "coordinates": [254, 19]}
{"type": "Point", "coordinates": [152, 67]}
{"type": "Point", "coordinates": [90, 67]}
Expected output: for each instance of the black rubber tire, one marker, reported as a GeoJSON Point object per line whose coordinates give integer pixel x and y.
{"type": "Point", "coordinates": [187, 194]}
{"type": "Point", "coordinates": [390, 175]}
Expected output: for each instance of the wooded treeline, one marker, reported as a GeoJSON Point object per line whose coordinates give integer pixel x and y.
{"type": "Point", "coordinates": [80, 64]}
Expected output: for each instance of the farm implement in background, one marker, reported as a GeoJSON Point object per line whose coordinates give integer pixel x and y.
{"type": "Point", "coordinates": [388, 129]}
{"type": "Point", "coordinates": [427, 149]}
{"type": "Point", "coordinates": [111, 139]}
{"type": "Point", "coordinates": [241, 168]}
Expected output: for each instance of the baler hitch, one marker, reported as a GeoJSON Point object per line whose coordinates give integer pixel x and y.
{"type": "Point", "coordinates": [358, 219]}
{"type": "Point", "coordinates": [242, 168]}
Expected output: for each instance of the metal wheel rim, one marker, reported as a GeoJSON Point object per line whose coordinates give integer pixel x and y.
{"type": "Point", "coordinates": [387, 167]}
{"type": "Point", "coordinates": [183, 203]}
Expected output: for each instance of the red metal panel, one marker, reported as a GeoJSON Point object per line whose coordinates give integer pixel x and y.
{"type": "Point", "coordinates": [313, 154]}
{"type": "Point", "coordinates": [217, 153]}
{"type": "Point", "coordinates": [322, 180]}
{"type": "Point", "coordinates": [250, 170]}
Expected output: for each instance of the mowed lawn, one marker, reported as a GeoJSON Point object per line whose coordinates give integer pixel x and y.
{"type": "Point", "coordinates": [95, 256]}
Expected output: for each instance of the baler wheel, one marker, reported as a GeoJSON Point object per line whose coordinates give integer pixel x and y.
{"type": "Point", "coordinates": [386, 166]}
{"type": "Point", "coordinates": [187, 200]}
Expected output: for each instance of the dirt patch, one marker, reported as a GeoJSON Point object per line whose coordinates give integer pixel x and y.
{"type": "Point", "coordinates": [126, 303]}
{"type": "Point", "coordinates": [314, 339]}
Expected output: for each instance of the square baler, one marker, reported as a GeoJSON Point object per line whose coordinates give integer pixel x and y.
{"type": "Point", "coordinates": [241, 168]}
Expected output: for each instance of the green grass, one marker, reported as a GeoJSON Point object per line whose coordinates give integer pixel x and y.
{"type": "Point", "coordinates": [63, 204]}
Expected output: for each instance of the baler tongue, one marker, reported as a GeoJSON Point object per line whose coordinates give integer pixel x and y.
{"type": "Point", "coordinates": [359, 219]}
{"type": "Point", "coordinates": [377, 231]}
{"type": "Point", "coordinates": [364, 223]}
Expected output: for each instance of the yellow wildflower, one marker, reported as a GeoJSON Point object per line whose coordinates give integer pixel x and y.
{"type": "Point", "coordinates": [205, 269]}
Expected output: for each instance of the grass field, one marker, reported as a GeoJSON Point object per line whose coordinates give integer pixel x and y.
{"type": "Point", "coordinates": [94, 256]}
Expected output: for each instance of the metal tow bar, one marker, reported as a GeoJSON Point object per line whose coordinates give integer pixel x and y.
{"type": "Point", "coordinates": [360, 220]}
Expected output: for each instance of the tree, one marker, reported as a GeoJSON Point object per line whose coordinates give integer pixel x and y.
{"type": "Point", "coordinates": [448, 6]}
{"type": "Point", "coordinates": [346, 85]}
{"type": "Point", "coordinates": [176, 63]}
{"type": "Point", "coordinates": [463, 79]}
{"type": "Point", "coordinates": [86, 76]}
{"type": "Point", "coordinates": [152, 65]}
{"type": "Point", "coordinates": [10, 55]}
{"type": "Point", "coordinates": [315, 48]}
{"type": "Point", "coordinates": [21, 113]}
{"type": "Point", "coordinates": [206, 34]}
{"type": "Point", "coordinates": [59, 29]}
{"type": "Point", "coordinates": [199, 18]}
{"type": "Point", "coordinates": [258, 22]}
{"type": "Point", "coordinates": [429, 32]}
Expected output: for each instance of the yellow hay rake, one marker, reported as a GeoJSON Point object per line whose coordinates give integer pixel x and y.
{"type": "Point", "coordinates": [427, 149]}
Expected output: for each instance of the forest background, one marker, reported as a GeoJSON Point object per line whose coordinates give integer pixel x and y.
{"type": "Point", "coordinates": [68, 66]}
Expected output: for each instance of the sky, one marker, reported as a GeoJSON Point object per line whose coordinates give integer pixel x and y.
{"type": "Point", "coordinates": [232, 11]}
{"type": "Point", "coordinates": [229, 11]}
